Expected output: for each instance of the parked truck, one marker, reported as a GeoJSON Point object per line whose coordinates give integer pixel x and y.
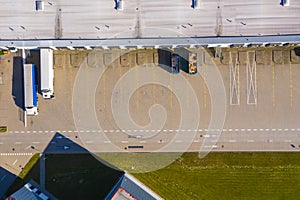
{"type": "Point", "coordinates": [30, 91]}
{"type": "Point", "coordinates": [47, 73]}
{"type": "Point", "coordinates": [192, 63]}
{"type": "Point", "coordinates": [186, 60]}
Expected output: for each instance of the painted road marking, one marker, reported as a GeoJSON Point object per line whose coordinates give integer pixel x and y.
{"type": "Point", "coordinates": [15, 154]}
{"type": "Point", "coordinates": [15, 162]}
{"type": "Point", "coordinates": [163, 130]}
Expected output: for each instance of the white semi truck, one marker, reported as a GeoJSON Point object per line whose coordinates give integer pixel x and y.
{"type": "Point", "coordinates": [47, 73]}
{"type": "Point", "coordinates": [30, 91]}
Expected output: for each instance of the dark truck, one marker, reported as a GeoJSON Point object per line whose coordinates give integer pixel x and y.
{"type": "Point", "coordinates": [187, 60]}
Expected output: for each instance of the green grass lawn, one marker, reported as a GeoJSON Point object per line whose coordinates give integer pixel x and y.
{"type": "Point", "coordinates": [228, 176]}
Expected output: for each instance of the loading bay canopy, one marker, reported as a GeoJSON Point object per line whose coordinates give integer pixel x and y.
{"type": "Point", "coordinates": [152, 42]}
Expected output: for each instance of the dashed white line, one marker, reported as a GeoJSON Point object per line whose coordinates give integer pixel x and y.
{"type": "Point", "coordinates": [15, 154]}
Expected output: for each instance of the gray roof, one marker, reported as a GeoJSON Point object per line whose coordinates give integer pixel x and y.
{"type": "Point", "coordinates": [137, 189]}
{"type": "Point", "coordinates": [24, 194]}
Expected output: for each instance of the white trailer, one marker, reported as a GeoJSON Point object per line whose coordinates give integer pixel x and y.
{"type": "Point", "coordinates": [47, 73]}
{"type": "Point", "coordinates": [30, 92]}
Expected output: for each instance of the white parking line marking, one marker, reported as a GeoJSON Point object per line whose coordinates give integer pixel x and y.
{"type": "Point", "coordinates": [287, 140]}
{"type": "Point", "coordinates": [89, 142]}
{"type": "Point", "coordinates": [107, 141]}
{"type": "Point", "coordinates": [35, 142]}
{"type": "Point", "coordinates": [143, 141]}
{"type": "Point", "coordinates": [124, 141]}
{"type": "Point", "coordinates": [18, 142]}
{"type": "Point", "coordinates": [15, 162]}
{"type": "Point", "coordinates": [232, 141]}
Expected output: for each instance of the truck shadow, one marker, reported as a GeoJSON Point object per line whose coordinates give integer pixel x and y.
{"type": "Point", "coordinates": [164, 59]}
{"type": "Point", "coordinates": [33, 57]}
{"type": "Point", "coordinates": [17, 82]}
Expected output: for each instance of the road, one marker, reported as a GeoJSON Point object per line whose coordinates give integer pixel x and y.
{"type": "Point", "coordinates": [245, 139]}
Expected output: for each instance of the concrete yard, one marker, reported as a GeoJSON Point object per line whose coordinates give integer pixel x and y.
{"type": "Point", "coordinates": [262, 103]}
{"type": "Point", "coordinates": [141, 19]}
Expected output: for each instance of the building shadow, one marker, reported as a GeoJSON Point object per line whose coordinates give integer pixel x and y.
{"type": "Point", "coordinates": [70, 171]}
{"type": "Point", "coordinates": [17, 82]}
{"type": "Point", "coordinates": [6, 179]}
